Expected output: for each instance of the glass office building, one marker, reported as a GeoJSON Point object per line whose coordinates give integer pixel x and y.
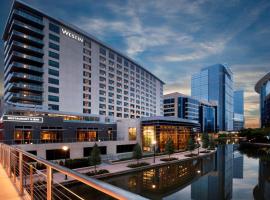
{"type": "Point", "coordinates": [215, 83]}
{"type": "Point", "coordinates": [185, 107]}
{"type": "Point", "coordinates": [238, 109]}
{"type": "Point", "coordinates": [263, 88]}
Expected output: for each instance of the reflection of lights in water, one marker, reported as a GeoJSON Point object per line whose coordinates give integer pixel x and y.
{"type": "Point", "coordinates": [153, 186]}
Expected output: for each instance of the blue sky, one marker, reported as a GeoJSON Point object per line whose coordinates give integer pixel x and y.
{"type": "Point", "coordinates": [176, 38]}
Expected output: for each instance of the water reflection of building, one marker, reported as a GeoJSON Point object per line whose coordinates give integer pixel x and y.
{"type": "Point", "coordinates": [159, 182]}
{"type": "Point", "coordinates": [238, 165]}
{"type": "Point", "coordinates": [218, 183]}
{"type": "Point", "coordinates": [262, 190]}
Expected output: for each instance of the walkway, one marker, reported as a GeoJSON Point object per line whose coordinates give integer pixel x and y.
{"type": "Point", "coordinates": [120, 167]}
{"type": "Point", "coordinates": [8, 190]}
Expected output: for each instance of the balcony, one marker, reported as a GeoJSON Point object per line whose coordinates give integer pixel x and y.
{"type": "Point", "coordinates": [18, 46]}
{"type": "Point", "coordinates": [13, 97]}
{"type": "Point", "coordinates": [26, 28]}
{"type": "Point", "coordinates": [25, 38]}
{"type": "Point", "coordinates": [15, 87]}
{"type": "Point", "coordinates": [19, 67]}
{"type": "Point", "coordinates": [21, 57]}
{"type": "Point", "coordinates": [28, 17]}
{"type": "Point", "coordinates": [16, 77]}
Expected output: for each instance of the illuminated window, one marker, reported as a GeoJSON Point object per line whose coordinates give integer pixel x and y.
{"type": "Point", "coordinates": [132, 133]}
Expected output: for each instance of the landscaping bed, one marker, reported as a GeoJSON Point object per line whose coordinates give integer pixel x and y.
{"type": "Point", "coordinates": [205, 151]}
{"type": "Point", "coordinates": [98, 172]}
{"type": "Point", "coordinates": [191, 155]}
{"type": "Point", "coordinates": [135, 165]}
{"type": "Point", "coordinates": [168, 159]}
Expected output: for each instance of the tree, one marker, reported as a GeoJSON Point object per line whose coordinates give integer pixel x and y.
{"type": "Point", "coordinates": [205, 140]}
{"type": "Point", "coordinates": [137, 152]}
{"type": "Point", "coordinates": [191, 144]}
{"type": "Point", "coordinates": [169, 147]}
{"type": "Point", "coordinates": [95, 158]}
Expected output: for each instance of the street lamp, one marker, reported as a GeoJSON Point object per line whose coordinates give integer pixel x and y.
{"type": "Point", "coordinates": [154, 146]}
{"type": "Point", "coordinates": [198, 143]}
{"type": "Point", "coordinates": [65, 149]}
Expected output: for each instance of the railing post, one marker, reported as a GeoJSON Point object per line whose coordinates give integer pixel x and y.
{"type": "Point", "coordinates": [9, 162]}
{"type": "Point", "coordinates": [31, 183]}
{"type": "Point", "coordinates": [49, 183]}
{"type": "Point", "coordinates": [21, 172]}
{"type": "Point", "coordinates": [14, 167]}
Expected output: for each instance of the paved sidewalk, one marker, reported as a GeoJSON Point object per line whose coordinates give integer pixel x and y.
{"type": "Point", "coordinates": [8, 190]}
{"type": "Point", "coordinates": [122, 166]}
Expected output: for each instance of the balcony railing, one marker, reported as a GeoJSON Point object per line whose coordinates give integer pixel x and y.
{"type": "Point", "coordinates": [29, 17]}
{"type": "Point", "coordinates": [37, 178]}
{"type": "Point", "coordinates": [21, 66]}
{"type": "Point", "coordinates": [23, 76]}
{"type": "Point", "coordinates": [24, 46]}
{"type": "Point", "coordinates": [23, 56]}
{"type": "Point", "coordinates": [23, 96]}
{"type": "Point", "coordinates": [28, 37]}
{"type": "Point", "coordinates": [26, 26]}
{"type": "Point", "coordinates": [24, 86]}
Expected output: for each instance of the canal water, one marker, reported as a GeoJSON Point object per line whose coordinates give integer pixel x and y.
{"type": "Point", "coordinates": [225, 175]}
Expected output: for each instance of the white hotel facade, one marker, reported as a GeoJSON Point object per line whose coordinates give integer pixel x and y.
{"type": "Point", "coordinates": [56, 66]}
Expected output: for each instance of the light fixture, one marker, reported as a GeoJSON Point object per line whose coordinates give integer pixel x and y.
{"type": "Point", "coordinates": [65, 148]}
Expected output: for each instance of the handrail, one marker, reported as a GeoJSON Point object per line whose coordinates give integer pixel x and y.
{"type": "Point", "coordinates": [101, 186]}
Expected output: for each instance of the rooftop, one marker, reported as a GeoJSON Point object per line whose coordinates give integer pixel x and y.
{"type": "Point", "coordinates": [262, 81]}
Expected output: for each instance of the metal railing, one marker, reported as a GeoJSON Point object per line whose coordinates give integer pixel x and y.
{"type": "Point", "coordinates": [37, 178]}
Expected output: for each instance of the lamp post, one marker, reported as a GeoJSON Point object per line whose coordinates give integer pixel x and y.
{"type": "Point", "coordinates": [198, 143]}
{"type": "Point", "coordinates": [154, 146]}
{"type": "Point", "coordinates": [65, 149]}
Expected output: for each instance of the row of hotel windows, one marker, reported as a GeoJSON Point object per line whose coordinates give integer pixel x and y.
{"type": "Point", "coordinates": [53, 62]}
{"type": "Point", "coordinates": [87, 77]}
{"type": "Point", "coordinates": [55, 134]}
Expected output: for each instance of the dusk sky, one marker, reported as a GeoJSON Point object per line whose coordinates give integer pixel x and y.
{"type": "Point", "coordinates": [174, 39]}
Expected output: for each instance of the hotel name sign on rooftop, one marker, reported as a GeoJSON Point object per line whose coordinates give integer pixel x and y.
{"type": "Point", "coordinates": [71, 35]}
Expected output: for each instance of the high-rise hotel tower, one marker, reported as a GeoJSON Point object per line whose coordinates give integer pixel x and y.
{"type": "Point", "coordinates": [52, 65]}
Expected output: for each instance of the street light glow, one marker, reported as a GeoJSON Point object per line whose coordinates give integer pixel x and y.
{"type": "Point", "coordinates": [65, 148]}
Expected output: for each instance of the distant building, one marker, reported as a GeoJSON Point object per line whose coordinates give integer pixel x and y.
{"type": "Point", "coordinates": [263, 88]}
{"type": "Point", "coordinates": [215, 83]}
{"type": "Point", "coordinates": [238, 109]}
{"type": "Point", "coordinates": [185, 107]}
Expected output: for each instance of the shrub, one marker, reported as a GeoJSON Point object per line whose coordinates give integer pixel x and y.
{"type": "Point", "coordinates": [98, 172]}
{"type": "Point", "coordinates": [141, 164]}
{"type": "Point", "coordinates": [137, 152]}
{"type": "Point", "coordinates": [169, 147]}
{"type": "Point", "coordinates": [76, 163]}
{"type": "Point", "coordinates": [168, 159]}
{"type": "Point", "coordinates": [95, 158]}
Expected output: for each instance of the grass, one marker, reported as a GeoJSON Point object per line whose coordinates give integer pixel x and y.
{"type": "Point", "coordinates": [168, 159]}
{"type": "Point", "coordinates": [135, 165]}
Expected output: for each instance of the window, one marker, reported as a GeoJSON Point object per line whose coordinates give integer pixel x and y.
{"type": "Point", "coordinates": [54, 38]}
{"type": "Point", "coordinates": [102, 51]}
{"type": "Point", "coordinates": [87, 44]}
{"type": "Point", "coordinates": [119, 59]}
{"type": "Point", "coordinates": [132, 133]}
{"type": "Point", "coordinates": [53, 63]}
{"type": "Point", "coordinates": [53, 98]}
{"type": "Point", "coordinates": [54, 46]}
{"type": "Point", "coordinates": [53, 72]}
{"type": "Point", "coordinates": [54, 28]}
{"type": "Point", "coordinates": [53, 55]}
{"type": "Point", "coordinates": [53, 106]}
{"type": "Point", "coordinates": [53, 81]}
{"type": "Point", "coordinates": [126, 63]}
{"type": "Point", "coordinates": [86, 59]}
{"type": "Point", "coordinates": [53, 89]}
{"type": "Point", "coordinates": [111, 55]}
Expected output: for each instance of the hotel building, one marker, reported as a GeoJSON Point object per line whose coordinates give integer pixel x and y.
{"type": "Point", "coordinates": [53, 65]}
{"type": "Point", "coordinates": [215, 83]}
{"type": "Point", "coordinates": [62, 86]}
{"type": "Point", "coordinates": [185, 107]}
{"type": "Point", "coordinates": [262, 87]}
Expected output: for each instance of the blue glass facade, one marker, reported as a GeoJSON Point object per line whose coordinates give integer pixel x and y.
{"type": "Point", "coordinates": [215, 83]}
{"type": "Point", "coordinates": [264, 91]}
{"type": "Point", "coordinates": [208, 118]}
{"type": "Point", "coordinates": [238, 108]}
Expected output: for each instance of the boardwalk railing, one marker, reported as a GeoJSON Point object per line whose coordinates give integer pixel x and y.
{"type": "Point", "coordinates": [37, 178]}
